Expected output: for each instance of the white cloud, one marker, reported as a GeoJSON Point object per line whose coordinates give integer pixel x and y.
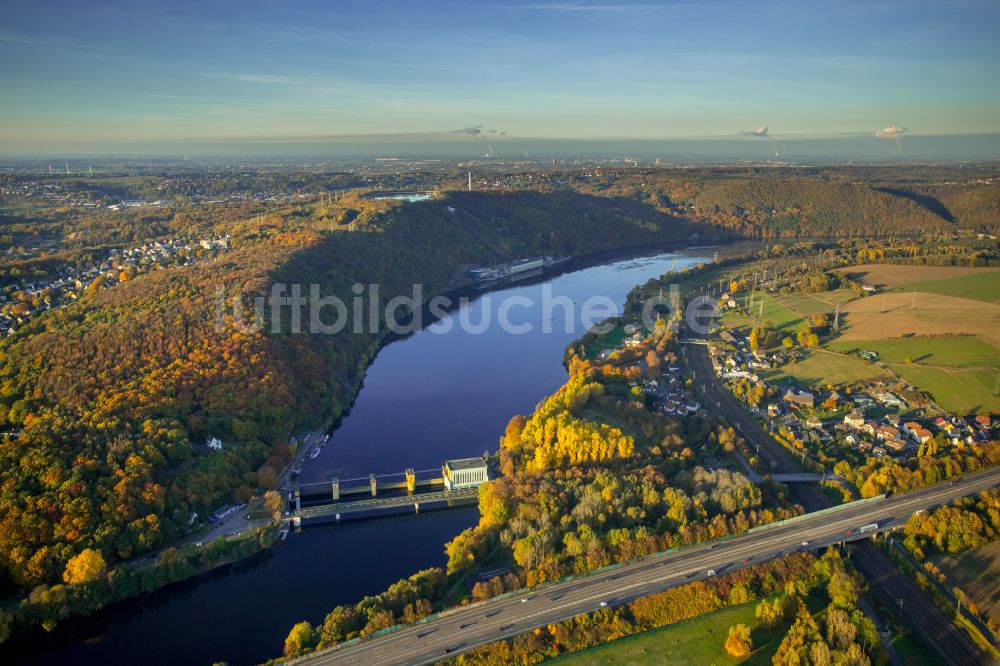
{"type": "Point", "coordinates": [266, 79]}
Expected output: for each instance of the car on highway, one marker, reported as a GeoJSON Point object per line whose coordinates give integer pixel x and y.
{"type": "Point", "coordinates": [604, 604]}
{"type": "Point", "coordinates": [710, 572]}
{"type": "Point", "coordinates": [746, 560]}
{"type": "Point", "coordinates": [524, 599]}
{"type": "Point", "coordinates": [805, 543]}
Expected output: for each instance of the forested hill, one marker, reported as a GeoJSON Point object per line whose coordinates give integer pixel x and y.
{"type": "Point", "coordinates": [809, 208]}
{"type": "Point", "coordinates": [774, 206]}
{"type": "Point", "coordinates": [974, 208]}
{"type": "Point", "coordinates": [115, 395]}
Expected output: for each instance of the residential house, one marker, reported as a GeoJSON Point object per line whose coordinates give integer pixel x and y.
{"type": "Point", "coordinates": [803, 399]}
{"type": "Point", "coordinates": [855, 419]}
{"type": "Point", "coordinates": [895, 444]}
{"type": "Point", "coordinates": [887, 432]}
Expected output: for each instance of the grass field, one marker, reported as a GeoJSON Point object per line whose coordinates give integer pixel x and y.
{"type": "Point", "coordinates": [910, 652]}
{"type": "Point", "coordinates": [610, 340]}
{"type": "Point", "coordinates": [959, 351]}
{"type": "Point", "coordinates": [809, 304]}
{"type": "Point", "coordinates": [773, 310]}
{"type": "Point", "coordinates": [961, 391]}
{"type": "Point", "coordinates": [977, 286]}
{"type": "Point", "coordinates": [732, 319]}
{"type": "Point", "coordinates": [819, 369]}
{"type": "Point", "coordinates": [977, 572]}
{"type": "Point", "coordinates": [697, 642]}
{"type": "Point", "coordinates": [694, 643]}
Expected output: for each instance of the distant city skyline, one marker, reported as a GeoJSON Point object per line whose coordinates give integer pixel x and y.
{"type": "Point", "coordinates": [111, 77]}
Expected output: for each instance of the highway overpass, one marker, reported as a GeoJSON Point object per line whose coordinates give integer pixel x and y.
{"type": "Point", "coordinates": [464, 628]}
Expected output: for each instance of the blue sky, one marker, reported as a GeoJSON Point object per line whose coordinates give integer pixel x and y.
{"type": "Point", "coordinates": [162, 71]}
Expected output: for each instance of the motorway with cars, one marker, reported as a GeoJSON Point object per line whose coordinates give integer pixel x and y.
{"type": "Point", "coordinates": [466, 627]}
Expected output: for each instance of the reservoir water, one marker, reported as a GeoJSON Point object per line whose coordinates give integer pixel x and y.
{"type": "Point", "coordinates": [429, 397]}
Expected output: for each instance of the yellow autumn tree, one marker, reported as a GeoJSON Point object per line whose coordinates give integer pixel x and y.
{"type": "Point", "coordinates": [738, 642]}
{"type": "Point", "coordinates": [84, 567]}
{"type": "Point", "coordinates": [301, 638]}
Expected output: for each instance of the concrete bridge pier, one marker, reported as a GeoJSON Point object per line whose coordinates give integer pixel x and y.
{"type": "Point", "coordinates": [337, 516]}
{"type": "Point", "coordinates": [411, 480]}
{"type": "Point", "coordinates": [298, 500]}
{"type": "Point", "coordinates": [371, 480]}
{"type": "Point", "coordinates": [335, 489]}
{"type": "Point", "coordinates": [416, 507]}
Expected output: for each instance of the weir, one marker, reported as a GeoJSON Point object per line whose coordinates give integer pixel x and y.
{"type": "Point", "coordinates": [455, 484]}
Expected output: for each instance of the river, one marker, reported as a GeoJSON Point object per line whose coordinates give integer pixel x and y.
{"type": "Point", "coordinates": [434, 395]}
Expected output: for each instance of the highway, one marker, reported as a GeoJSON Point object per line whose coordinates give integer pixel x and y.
{"type": "Point", "coordinates": [467, 627]}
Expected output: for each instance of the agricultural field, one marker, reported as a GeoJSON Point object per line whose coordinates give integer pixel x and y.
{"type": "Point", "coordinates": [890, 276]}
{"type": "Point", "coordinates": [896, 315]}
{"type": "Point", "coordinates": [957, 351]}
{"type": "Point", "coordinates": [819, 369]}
{"type": "Point", "coordinates": [959, 391]}
{"type": "Point", "coordinates": [938, 328]}
{"type": "Point", "coordinates": [977, 572]}
{"type": "Point", "coordinates": [977, 286]}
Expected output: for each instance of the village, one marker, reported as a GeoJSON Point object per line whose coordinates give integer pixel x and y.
{"type": "Point", "coordinates": [664, 385]}
{"type": "Point", "coordinates": [874, 417]}
{"type": "Point", "coordinates": [20, 302]}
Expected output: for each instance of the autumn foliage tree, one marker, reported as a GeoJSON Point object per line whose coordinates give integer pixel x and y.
{"type": "Point", "coordinates": [738, 642]}
{"type": "Point", "coordinates": [84, 567]}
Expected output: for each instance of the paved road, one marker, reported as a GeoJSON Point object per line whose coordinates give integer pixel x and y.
{"type": "Point", "coordinates": [919, 614]}
{"type": "Point", "coordinates": [469, 627]}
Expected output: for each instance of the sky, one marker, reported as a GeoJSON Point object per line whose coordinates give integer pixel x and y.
{"type": "Point", "coordinates": [112, 74]}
